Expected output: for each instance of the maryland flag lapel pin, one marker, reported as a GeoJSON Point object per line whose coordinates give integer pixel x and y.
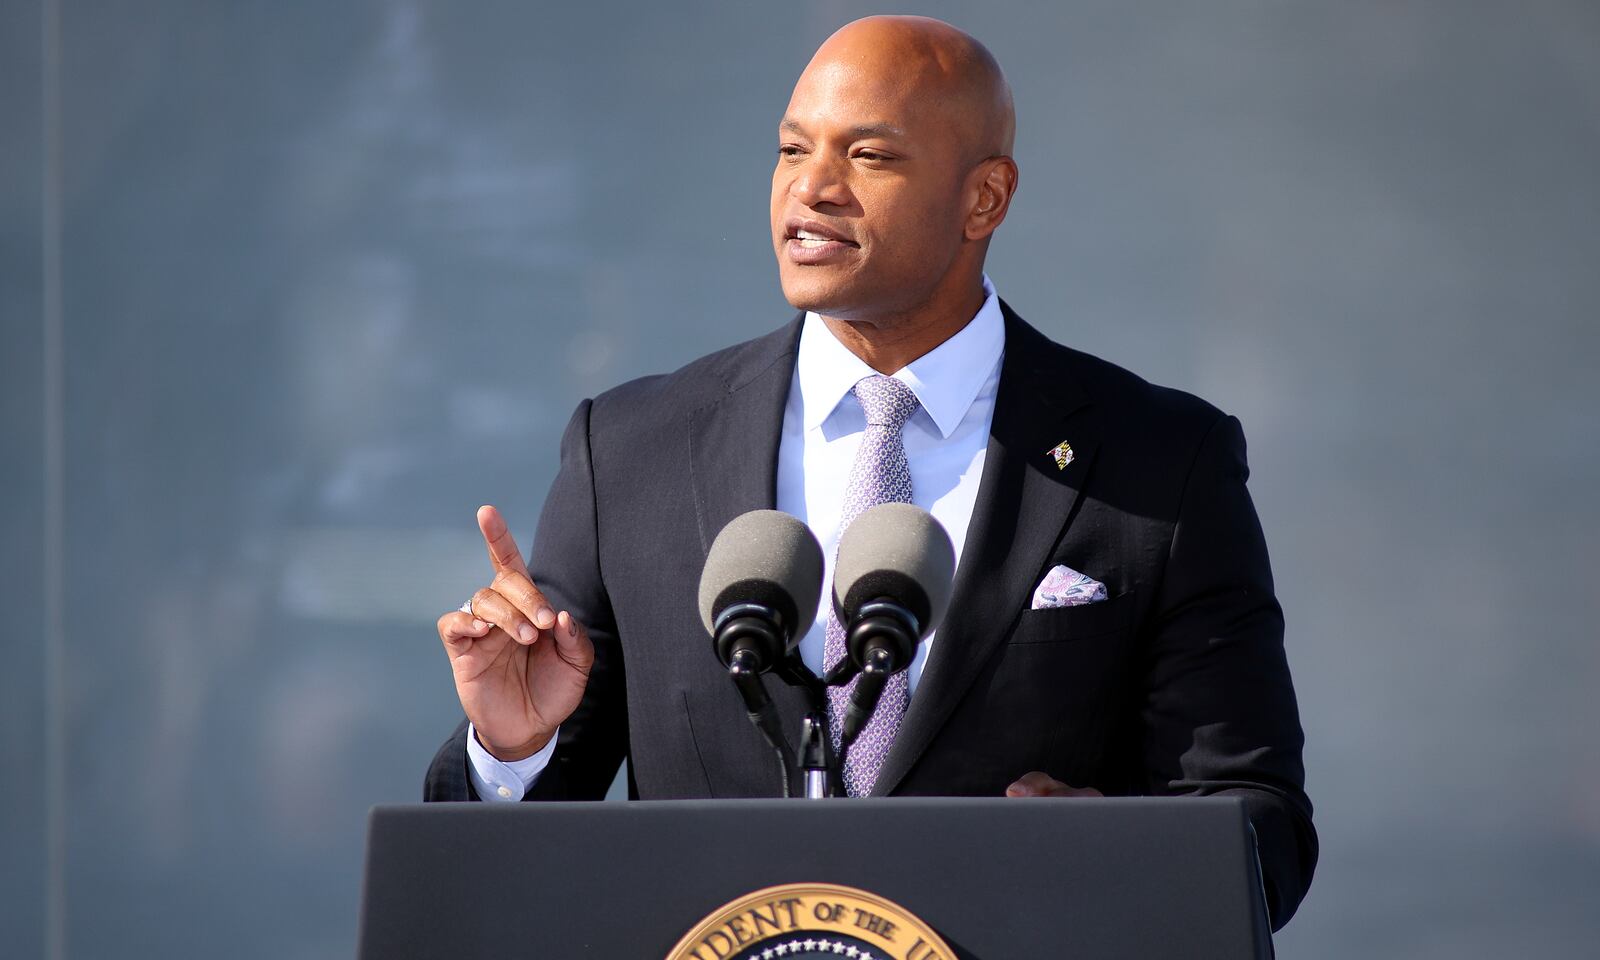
{"type": "Point", "coordinates": [1062, 453]}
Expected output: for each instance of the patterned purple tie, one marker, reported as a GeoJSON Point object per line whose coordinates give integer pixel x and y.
{"type": "Point", "coordinates": [880, 475]}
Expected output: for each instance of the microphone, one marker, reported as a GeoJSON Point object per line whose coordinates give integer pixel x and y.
{"type": "Point", "coordinates": [759, 588]}
{"type": "Point", "coordinates": [758, 597]}
{"type": "Point", "coordinates": [891, 587]}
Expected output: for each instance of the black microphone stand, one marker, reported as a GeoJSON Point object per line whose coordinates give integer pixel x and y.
{"type": "Point", "coordinates": [820, 774]}
{"type": "Point", "coordinates": [881, 641]}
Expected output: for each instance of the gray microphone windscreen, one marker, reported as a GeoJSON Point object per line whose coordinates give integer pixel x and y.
{"type": "Point", "coordinates": [899, 552]}
{"type": "Point", "coordinates": [765, 557]}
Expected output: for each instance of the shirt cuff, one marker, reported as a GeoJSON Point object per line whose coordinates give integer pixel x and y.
{"type": "Point", "coordinates": [501, 782]}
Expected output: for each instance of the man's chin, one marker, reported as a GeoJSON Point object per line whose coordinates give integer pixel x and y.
{"type": "Point", "coordinates": [819, 292]}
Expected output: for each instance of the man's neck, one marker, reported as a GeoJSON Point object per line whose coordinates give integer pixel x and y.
{"type": "Point", "coordinates": [889, 343]}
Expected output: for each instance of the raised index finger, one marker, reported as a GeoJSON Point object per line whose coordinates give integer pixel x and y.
{"type": "Point", "coordinates": [503, 552]}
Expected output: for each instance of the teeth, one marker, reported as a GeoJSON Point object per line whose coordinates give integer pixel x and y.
{"type": "Point", "coordinates": [808, 235]}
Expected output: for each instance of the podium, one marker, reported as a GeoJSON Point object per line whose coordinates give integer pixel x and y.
{"type": "Point", "coordinates": [997, 879]}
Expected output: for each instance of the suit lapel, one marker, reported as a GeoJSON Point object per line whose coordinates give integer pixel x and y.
{"type": "Point", "coordinates": [733, 439]}
{"type": "Point", "coordinates": [1023, 507]}
{"type": "Point", "coordinates": [733, 461]}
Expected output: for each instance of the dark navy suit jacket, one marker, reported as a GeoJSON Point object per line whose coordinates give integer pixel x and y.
{"type": "Point", "coordinates": [1176, 684]}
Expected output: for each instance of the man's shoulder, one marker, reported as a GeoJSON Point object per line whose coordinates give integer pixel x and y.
{"type": "Point", "coordinates": [1139, 406]}
{"type": "Point", "coordinates": [700, 383]}
{"type": "Point", "coordinates": [1153, 404]}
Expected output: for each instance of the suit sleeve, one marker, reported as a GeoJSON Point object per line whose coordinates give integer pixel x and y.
{"type": "Point", "coordinates": [1220, 716]}
{"type": "Point", "coordinates": [565, 563]}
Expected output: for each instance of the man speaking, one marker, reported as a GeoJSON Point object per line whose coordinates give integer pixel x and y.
{"type": "Point", "coordinates": [1113, 628]}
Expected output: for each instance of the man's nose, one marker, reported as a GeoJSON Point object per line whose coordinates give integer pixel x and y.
{"type": "Point", "coordinates": [820, 182]}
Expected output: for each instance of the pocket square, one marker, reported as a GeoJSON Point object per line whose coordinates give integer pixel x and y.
{"type": "Point", "coordinates": [1066, 587]}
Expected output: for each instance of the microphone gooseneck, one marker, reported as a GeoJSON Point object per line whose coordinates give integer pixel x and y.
{"type": "Point", "coordinates": [880, 644]}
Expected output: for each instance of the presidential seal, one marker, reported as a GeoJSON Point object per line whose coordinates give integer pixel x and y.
{"type": "Point", "coordinates": [797, 921]}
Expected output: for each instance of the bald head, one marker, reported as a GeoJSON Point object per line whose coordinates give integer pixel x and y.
{"type": "Point", "coordinates": [930, 60]}
{"type": "Point", "coordinates": [894, 169]}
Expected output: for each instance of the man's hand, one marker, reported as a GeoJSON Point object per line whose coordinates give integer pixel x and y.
{"type": "Point", "coordinates": [1039, 784]}
{"type": "Point", "coordinates": [520, 666]}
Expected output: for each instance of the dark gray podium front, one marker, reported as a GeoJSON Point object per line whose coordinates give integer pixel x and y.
{"type": "Point", "coordinates": [998, 879]}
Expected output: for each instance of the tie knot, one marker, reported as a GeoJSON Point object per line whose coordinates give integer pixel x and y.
{"type": "Point", "coordinates": [886, 401]}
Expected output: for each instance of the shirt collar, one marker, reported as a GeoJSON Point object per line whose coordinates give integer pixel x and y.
{"type": "Point", "coordinates": [946, 379]}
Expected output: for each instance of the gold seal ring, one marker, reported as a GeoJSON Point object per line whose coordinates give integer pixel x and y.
{"type": "Point", "coordinates": [800, 920]}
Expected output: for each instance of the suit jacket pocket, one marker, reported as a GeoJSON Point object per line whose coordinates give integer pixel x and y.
{"type": "Point", "coordinates": [1063, 624]}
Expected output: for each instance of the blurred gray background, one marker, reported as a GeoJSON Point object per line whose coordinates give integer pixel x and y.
{"type": "Point", "coordinates": [288, 289]}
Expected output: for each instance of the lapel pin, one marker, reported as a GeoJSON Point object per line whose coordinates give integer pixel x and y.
{"type": "Point", "coordinates": [1062, 452]}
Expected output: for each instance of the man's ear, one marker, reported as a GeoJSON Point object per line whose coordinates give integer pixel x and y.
{"type": "Point", "coordinates": [995, 180]}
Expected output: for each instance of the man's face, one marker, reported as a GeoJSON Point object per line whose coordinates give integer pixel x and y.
{"type": "Point", "coordinates": [867, 195]}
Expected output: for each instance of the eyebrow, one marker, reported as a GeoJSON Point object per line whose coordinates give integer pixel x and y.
{"type": "Point", "coordinates": [880, 129]}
